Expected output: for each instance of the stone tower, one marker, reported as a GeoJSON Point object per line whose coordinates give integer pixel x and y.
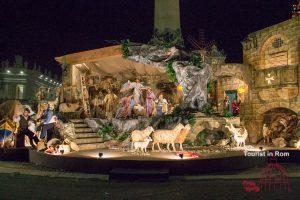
{"type": "Point", "coordinates": [167, 15]}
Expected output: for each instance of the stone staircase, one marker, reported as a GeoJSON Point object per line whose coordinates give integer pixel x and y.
{"type": "Point", "coordinates": [85, 137]}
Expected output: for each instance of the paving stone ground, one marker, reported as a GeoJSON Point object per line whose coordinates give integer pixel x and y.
{"type": "Point", "coordinates": [27, 181]}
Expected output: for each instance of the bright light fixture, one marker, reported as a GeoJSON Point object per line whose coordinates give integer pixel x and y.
{"type": "Point", "coordinates": [180, 88]}
{"type": "Point", "coordinates": [21, 72]}
{"type": "Point", "coordinates": [46, 78]}
{"type": "Point", "coordinates": [7, 71]}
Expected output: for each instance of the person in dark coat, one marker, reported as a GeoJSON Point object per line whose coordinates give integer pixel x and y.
{"type": "Point", "coordinates": [24, 121]}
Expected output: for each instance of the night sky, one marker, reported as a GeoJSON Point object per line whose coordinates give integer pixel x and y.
{"type": "Point", "coordinates": [43, 29]}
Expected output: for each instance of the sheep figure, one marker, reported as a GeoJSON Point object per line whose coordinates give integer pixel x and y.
{"type": "Point", "coordinates": [142, 146]}
{"type": "Point", "coordinates": [182, 136]}
{"type": "Point", "coordinates": [166, 137]}
{"type": "Point", "coordinates": [140, 135]}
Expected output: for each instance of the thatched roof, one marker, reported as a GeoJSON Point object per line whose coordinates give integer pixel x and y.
{"type": "Point", "coordinates": [110, 61]}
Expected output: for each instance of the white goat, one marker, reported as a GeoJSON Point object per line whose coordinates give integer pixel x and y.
{"type": "Point", "coordinates": [239, 136]}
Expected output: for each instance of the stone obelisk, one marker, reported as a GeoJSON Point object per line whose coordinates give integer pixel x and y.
{"type": "Point", "coordinates": [167, 15]}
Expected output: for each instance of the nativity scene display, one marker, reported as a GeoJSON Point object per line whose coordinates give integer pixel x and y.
{"type": "Point", "coordinates": [162, 96]}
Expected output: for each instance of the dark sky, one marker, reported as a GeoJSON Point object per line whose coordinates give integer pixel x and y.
{"type": "Point", "coordinates": [42, 29]}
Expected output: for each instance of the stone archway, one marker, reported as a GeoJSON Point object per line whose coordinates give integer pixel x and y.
{"type": "Point", "coordinates": [238, 71]}
{"type": "Point", "coordinates": [282, 122]}
{"type": "Point", "coordinates": [232, 78]}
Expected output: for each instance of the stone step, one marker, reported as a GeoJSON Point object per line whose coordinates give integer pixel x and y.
{"type": "Point", "coordinates": [81, 125]}
{"type": "Point", "coordinates": [89, 140]}
{"type": "Point", "coordinates": [77, 121]}
{"type": "Point", "coordinates": [83, 130]}
{"type": "Point", "coordinates": [91, 146]}
{"type": "Point", "coordinates": [86, 135]}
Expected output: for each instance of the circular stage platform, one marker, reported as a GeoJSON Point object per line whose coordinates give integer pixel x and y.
{"type": "Point", "coordinates": [89, 162]}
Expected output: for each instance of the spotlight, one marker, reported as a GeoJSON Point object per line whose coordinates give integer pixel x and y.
{"type": "Point", "coordinates": [46, 78]}
{"type": "Point", "coordinates": [100, 155]}
{"type": "Point", "coordinates": [8, 71]}
{"type": "Point", "coordinates": [180, 155]}
{"type": "Point", "coordinates": [62, 151]}
{"type": "Point", "coordinates": [21, 72]}
{"type": "Point", "coordinates": [261, 148]}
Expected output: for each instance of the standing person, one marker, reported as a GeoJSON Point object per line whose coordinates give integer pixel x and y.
{"type": "Point", "coordinates": [227, 105]}
{"type": "Point", "coordinates": [162, 105]}
{"type": "Point", "coordinates": [47, 123]}
{"type": "Point", "coordinates": [235, 108]}
{"type": "Point", "coordinates": [137, 91]}
{"type": "Point", "coordinates": [149, 102]}
{"type": "Point", "coordinates": [24, 121]}
{"type": "Point", "coordinates": [109, 101]}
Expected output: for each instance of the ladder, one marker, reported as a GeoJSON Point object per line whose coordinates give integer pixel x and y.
{"type": "Point", "coordinates": [85, 102]}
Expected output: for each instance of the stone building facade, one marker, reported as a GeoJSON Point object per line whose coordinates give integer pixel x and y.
{"type": "Point", "coordinates": [272, 55]}
{"type": "Point", "coordinates": [268, 79]}
{"type": "Point", "coordinates": [23, 83]}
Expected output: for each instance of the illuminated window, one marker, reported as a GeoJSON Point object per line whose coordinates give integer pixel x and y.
{"type": "Point", "coordinates": [277, 43]}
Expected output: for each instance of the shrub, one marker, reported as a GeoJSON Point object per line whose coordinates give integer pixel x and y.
{"type": "Point", "coordinates": [125, 48]}
{"type": "Point", "coordinates": [105, 131]}
{"type": "Point", "coordinates": [208, 110]}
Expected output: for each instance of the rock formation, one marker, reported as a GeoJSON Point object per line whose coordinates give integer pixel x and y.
{"type": "Point", "coordinates": [194, 82]}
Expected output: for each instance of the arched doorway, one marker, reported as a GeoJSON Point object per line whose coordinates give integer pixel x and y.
{"type": "Point", "coordinates": [282, 122]}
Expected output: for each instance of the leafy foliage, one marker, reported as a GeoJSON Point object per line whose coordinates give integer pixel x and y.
{"type": "Point", "coordinates": [195, 60]}
{"type": "Point", "coordinates": [228, 115]}
{"type": "Point", "coordinates": [105, 131]}
{"type": "Point", "coordinates": [200, 139]}
{"type": "Point", "coordinates": [123, 137]}
{"type": "Point", "coordinates": [209, 87]}
{"type": "Point", "coordinates": [125, 48]}
{"type": "Point", "coordinates": [171, 72]}
{"type": "Point", "coordinates": [166, 38]}
{"type": "Point", "coordinates": [180, 112]}
{"type": "Point", "coordinates": [208, 110]}
{"type": "Point", "coordinates": [188, 143]}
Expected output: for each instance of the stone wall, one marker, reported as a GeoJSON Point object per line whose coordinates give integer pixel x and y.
{"type": "Point", "coordinates": [211, 123]}
{"type": "Point", "coordinates": [273, 57]}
